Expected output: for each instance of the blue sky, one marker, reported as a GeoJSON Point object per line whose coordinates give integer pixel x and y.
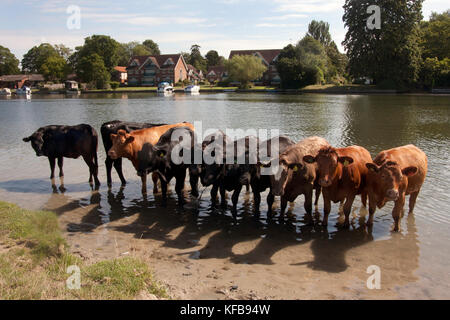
{"type": "Point", "coordinates": [221, 25]}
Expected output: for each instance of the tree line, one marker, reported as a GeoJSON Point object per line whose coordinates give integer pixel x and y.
{"type": "Point", "coordinates": [405, 52]}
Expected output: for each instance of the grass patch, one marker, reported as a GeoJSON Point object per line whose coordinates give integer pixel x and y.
{"type": "Point", "coordinates": [34, 260]}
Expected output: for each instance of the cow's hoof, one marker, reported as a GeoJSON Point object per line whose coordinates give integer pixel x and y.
{"type": "Point", "coordinates": [155, 191]}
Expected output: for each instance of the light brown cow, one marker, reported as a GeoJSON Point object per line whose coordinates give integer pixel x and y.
{"type": "Point", "coordinates": [128, 145]}
{"type": "Point", "coordinates": [342, 176]}
{"type": "Point", "coordinates": [296, 177]}
{"type": "Point", "coordinates": [393, 174]}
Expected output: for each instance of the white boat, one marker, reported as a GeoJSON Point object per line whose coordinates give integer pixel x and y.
{"type": "Point", "coordinates": [72, 91]}
{"type": "Point", "coordinates": [165, 87]}
{"type": "Point", "coordinates": [5, 92]}
{"type": "Point", "coordinates": [24, 90]}
{"type": "Point", "coordinates": [192, 89]}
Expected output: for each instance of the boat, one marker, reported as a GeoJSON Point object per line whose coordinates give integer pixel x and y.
{"type": "Point", "coordinates": [5, 92]}
{"type": "Point", "coordinates": [73, 91]}
{"type": "Point", "coordinates": [165, 87]}
{"type": "Point", "coordinates": [24, 90]}
{"type": "Point", "coordinates": [192, 89]}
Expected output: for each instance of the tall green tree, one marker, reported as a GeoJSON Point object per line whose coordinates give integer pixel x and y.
{"type": "Point", "coordinates": [435, 36]}
{"type": "Point", "coordinates": [391, 53]}
{"type": "Point", "coordinates": [55, 68]}
{"type": "Point", "coordinates": [91, 69]}
{"type": "Point", "coordinates": [245, 68]}
{"type": "Point", "coordinates": [320, 31]}
{"type": "Point", "coordinates": [152, 47]}
{"type": "Point", "coordinates": [104, 46]}
{"type": "Point", "coordinates": [196, 59]}
{"type": "Point", "coordinates": [35, 57]}
{"type": "Point", "coordinates": [213, 59]}
{"type": "Point", "coordinates": [9, 64]}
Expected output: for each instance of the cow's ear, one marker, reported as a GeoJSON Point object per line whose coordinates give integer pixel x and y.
{"type": "Point", "coordinates": [129, 139]}
{"type": "Point", "coordinates": [26, 139]}
{"type": "Point", "coordinates": [113, 136]}
{"type": "Point", "coordinates": [345, 160]}
{"type": "Point", "coordinates": [295, 166]}
{"type": "Point", "coordinates": [264, 164]}
{"type": "Point", "coordinates": [161, 153]}
{"type": "Point", "coordinates": [409, 171]}
{"type": "Point", "coordinates": [372, 167]}
{"type": "Point", "coordinates": [309, 159]}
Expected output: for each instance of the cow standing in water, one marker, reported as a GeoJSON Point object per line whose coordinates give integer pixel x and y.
{"type": "Point", "coordinates": [128, 145]}
{"type": "Point", "coordinates": [393, 174]}
{"type": "Point", "coordinates": [58, 141]}
{"type": "Point", "coordinates": [106, 130]}
{"type": "Point", "coordinates": [342, 176]}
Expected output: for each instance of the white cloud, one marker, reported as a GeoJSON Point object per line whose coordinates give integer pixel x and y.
{"type": "Point", "coordinates": [286, 17]}
{"type": "Point", "coordinates": [309, 6]}
{"type": "Point", "coordinates": [279, 25]}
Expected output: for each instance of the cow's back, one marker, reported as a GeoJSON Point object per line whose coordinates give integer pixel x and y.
{"type": "Point", "coordinates": [407, 156]}
{"type": "Point", "coordinates": [152, 135]}
{"type": "Point", "coordinates": [357, 170]}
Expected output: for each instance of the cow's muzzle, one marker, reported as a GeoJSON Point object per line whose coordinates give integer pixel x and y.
{"type": "Point", "coordinates": [392, 195]}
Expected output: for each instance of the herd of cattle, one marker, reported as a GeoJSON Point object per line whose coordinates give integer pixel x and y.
{"type": "Point", "coordinates": [303, 167]}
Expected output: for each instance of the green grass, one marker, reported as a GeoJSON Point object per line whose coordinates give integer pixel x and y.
{"type": "Point", "coordinates": [34, 260]}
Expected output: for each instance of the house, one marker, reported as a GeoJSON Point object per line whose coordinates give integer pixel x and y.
{"type": "Point", "coordinates": [120, 74]}
{"type": "Point", "coordinates": [216, 73]}
{"type": "Point", "coordinates": [194, 75]}
{"type": "Point", "coordinates": [268, 58]}
{"type": "Point", "coordinates": [15, 81]}
{"type": "Point", "coordinates": [151, 70]}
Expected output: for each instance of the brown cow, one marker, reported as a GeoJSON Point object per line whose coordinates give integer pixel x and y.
{"type": "Point", "coordinates": [342, 176]}
{"type": "Point", "coordinates": [294, 176]}
{"type": "Point", "coordinates": [393, 174]}
{"type": "Point", "coordinates": [128, 145]}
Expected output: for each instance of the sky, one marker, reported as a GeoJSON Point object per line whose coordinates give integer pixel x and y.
{"type": "Point", "coordinates": [221, 25]}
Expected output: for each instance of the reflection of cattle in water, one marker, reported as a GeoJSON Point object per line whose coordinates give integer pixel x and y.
{"type": "Point", "coordinates": [394, 174]}
{"type": "Point", "coordinates": [58, 142]}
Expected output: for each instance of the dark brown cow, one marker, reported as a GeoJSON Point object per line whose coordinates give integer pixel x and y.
{"type": "Point", "coordinates": [393, 174]}
{"type": "Point", "coordinates": [342, 176]}
{"type": "Point", "coordinates": [127, 145]}
{"type": "Point", "coordinates": [296, 177]}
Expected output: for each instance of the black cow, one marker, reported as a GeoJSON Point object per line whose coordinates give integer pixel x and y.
{"type": "Point", "coordinates": [112, 127]}
{"type": "Point", "coordinates": [159, 158]}
{"type": "Point", "coordinates": [261, 182]}
{"type": "Point", "coordinates": [58, 141]}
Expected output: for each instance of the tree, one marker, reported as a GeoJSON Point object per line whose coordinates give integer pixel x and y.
{"type": "Point", "coordinates": [9, 64]}
{"type": "Point", "coordinates": [55, 68]}
{"type": "Point", "coordinates": [34, 59]}
{"type": "Point", "coordinates": [245, 68]}
{"type": "Point", "coordinates": [435, 36]}
{"type": "Point", "coordinates": [91, 69]}
{"type": "Point", "coordinates": [213, 59]}
{"type": "Point", "coordinates": [391, 53]}
{"type": "Point", "coordinates": [152, 47]}
{"type": "Point", "coordinates": [320, 31]}
{"type": "Point", "coordinates": [196, 59]}
{"type": "Point", "coordinates": [104, 46]}
{"type": "Point", "coordinates": [63, 51]}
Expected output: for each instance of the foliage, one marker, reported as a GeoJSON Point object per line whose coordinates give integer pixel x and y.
{"type": "Point", "coordinates": [91, 69]}
{"type": "Point", "coordinates": [105, 47]}
{"type": "Point", "coordinates": [35, 57]}
{"type": "Point", "coordinates": [114, 84]}
{"type": "Point", "coordinates": [55, 68]}
{"type": "Point", "coordinates": [9, 64]}
{"type": "Point", "coordinates": [213, 59]}
{"type": "Point", "coordinates": [435, 72]}
{"type": "Point", "coordinates": [245, 68]}
{"type": "Point", "coordinates": [152, 47]}
{"type": "Point", "coordinates": [391, 52]}
{"type": "Point", "coordinates": [196, 59]}
{"type": "Point", "coordinates": [320, 31]}
{"type": "Point", "coordinates": [63, 51]}
{"type": "Point", "coordinates": [435, 36]}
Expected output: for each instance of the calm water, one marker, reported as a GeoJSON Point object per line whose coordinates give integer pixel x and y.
{"type": "Point", "coordinates": [376, 122]}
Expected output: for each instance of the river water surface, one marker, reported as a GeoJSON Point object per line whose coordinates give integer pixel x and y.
{"type": "Point", "coordinates": [414, 263]}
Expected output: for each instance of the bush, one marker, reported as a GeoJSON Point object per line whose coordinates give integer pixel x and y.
{"type": "Point", "coordinates": [114, 84]}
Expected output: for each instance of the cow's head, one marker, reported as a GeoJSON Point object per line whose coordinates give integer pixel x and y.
{"type": "Point", "coordinates": [388, 177]}
{"type": "Point", "coordinates": [121, 144]}
{"type": "Point", "coordinates": [37, 142]}
{"type": "Point", "coordinates": [329, 165]}
{"type": "Point", "coordinates": [287, 170]}
{"type": "Point", "coordinates": [151, 159]}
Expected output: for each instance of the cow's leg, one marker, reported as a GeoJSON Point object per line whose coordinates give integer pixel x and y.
{"type": "Point", "coordinates": [308, 201]}
{"type": "Point", "coordinates": [60, 165]}
{"type": "Point", "coordinates": [95, 170]}
{"type": "Point", "coordinates": [256, 197]}
{"type": "Point", "coordinates": [412, 201]}
{"type": "Point", "coordinates": [90, 164]}
{"type": "Point", "coordinates": [108, 165]}
{"type": "Point", "coordinates": [223, 200]}
{"type": "Point", "coordinates": [163, 192]}
{"type": "Point", "coordinates": [155, 178]}
{"type": "Point", "coordinates": [51, 160]}
{"type": "Point", "coordinates": [270, 200]}
{"type": "Point", "coordinates": [247, 187]}
{"type": "Point", "coordinates": [397, 211]}
{"type": "Point", "coordinates": [284, 203]}
{"type": "Point", "coordinates": [348, 208]}
{"type": "Point", "coordinates": [118, 167]}
{"type": "Point", "coordinates": [364, 198]}
{"type": "Point", "coordinates": [193, 181]}
{"type": "Point", "coordinates": [144, 183]}
{"type": "Point", "coordinates": [235, 198]}
{"type": "Point", "coordinates": [326, 209]}
{"type": "Point", "coordinates": [372, 208]}
{"type": "Point", "coordinates": [317, 193]}
{"type": "Point", "coordinates": [214, 190]}
{"type": "Point", "coordinates": [179, 186]}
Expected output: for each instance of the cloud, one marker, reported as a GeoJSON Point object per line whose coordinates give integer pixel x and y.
{"type": "Point", "coordinates": [286, 17]}
{"type": "Point", "coordinates": [279, 25]}
{"type": "Point", "coordinates": [309, 6]}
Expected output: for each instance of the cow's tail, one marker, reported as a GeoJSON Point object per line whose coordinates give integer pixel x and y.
{"type": "Point", "coordinates": [94, 145]}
